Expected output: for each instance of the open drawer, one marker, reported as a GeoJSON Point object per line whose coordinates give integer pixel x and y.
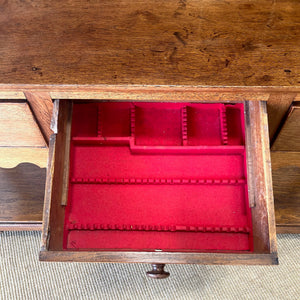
{"type": "Point", "coordinates": [160, 183]}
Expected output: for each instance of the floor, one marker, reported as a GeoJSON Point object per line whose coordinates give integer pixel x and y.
{"type": "Point", "coordinates": [22, 276]}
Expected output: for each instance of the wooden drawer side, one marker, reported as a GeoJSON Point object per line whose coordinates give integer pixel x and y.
{"type": "Point", "coordinates": [260, 181]}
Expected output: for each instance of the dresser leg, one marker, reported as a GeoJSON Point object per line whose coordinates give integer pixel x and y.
{"type": "Point", "coordinates": [158, 272]}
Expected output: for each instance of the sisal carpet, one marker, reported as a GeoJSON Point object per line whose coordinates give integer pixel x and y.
{"type": "Point", "coordinates": [22, 276]}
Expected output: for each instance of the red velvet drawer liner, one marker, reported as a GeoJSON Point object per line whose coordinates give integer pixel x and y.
{"type": "Point", "coordinates": [158, 176]}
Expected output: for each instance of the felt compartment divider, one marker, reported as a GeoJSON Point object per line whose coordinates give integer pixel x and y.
{"type": "Point", "coordinates": [99, 121]}
{"type": "Point", "coordinates": [132, 121]}
{"type": "Point", "coordinates": [157, 181]}
{"type": "Point", "coordinates": [155, 227]}
{"type": "Point", "coordinates": [156, 149]}
{"type": "Point", "coordinates": [223, 120]}
{"type": "Point", "coordinates": [184, 126]}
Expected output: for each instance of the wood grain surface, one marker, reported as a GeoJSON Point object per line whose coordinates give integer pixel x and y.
{"type": "Point", "coordinates": [286, 185]}
{"type": "Point", "coordinates": [260, 181]}
{"type": "Point", "coordinates": [21, 226]}
{"type": "Point", "coordinates": [23, 158]}
{"type": "Point", "coordinates": [56, 184]}
{"type": "Point", "coordinates": [22, 193]}
{"type": "Point", "coordinates": [160, 257]}
{"type": "Point", "coordinates": [188, 42]}
{"type": "Point", "coordinates": [278, 106]}
{"type": "Point", "coordinates": [10, 157]}
{"type": "Point", "coordinates": [41, 105]}
{"type": "Point", "coordinates": [288, 138]}
{"type": "Point", "coordinates": [18, 127]}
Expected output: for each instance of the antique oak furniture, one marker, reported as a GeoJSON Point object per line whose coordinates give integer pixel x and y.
{"type": "Point", "coordinates": [188, 54]}
{"type": "Point", "coordinates": [169, 182]}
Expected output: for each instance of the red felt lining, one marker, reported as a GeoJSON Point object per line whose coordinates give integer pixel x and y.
{"type": "Point", "coordinates": [167, 176]}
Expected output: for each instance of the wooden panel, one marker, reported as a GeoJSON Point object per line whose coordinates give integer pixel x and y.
{"type": "Point", "coordinates": [56, 185]}
{"type": "Point", "coordinates": [283, 229]}
{"type": "Point", "coordinates": [18, 127]}
{"type": "Point", "coordinates": [286, 183]}
{"type": "Point", "coordinates": [278, 106]}
{"type": "Point", "coordinates": [160, 257]}
{"type": "Point", "coordinates": [23, 157]}
{"type": "Point", "coordinates": [22, 184]}
{"type": "Point", "coordinates": [48, 190]}
{"type": "Point", "coordinates": [199, 42]}
{"type": "Point", "coordinates": [10, 157]}
{"type": "Point", "coordinates": [4, 95]}
{"type": "Point", "coordinates": [289, 136]}
{"type": "Point", "coordinates": [21, 226]}
{"type": "Point", "coordinates": [22, 193]}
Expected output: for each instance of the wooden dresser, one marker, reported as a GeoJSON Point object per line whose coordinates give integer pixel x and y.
{"type": "Point", "coordinates": [149, 51]}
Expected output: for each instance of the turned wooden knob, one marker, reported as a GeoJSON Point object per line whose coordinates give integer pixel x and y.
{"type": "Point", "coordinates": [158, 272]}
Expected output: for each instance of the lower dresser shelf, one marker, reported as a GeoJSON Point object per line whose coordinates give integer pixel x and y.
{"type": "Point", "coordinates": [159, 183]}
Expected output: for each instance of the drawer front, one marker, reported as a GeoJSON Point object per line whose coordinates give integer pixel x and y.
{"type": "Point", "coordinates": [160, 182]}
{"type": "Point", "coordinates": [285, 156]}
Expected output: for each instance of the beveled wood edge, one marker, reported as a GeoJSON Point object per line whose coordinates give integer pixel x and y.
{"type": "Point", "coordinates": [41, 106]}
{"type": "Point", "coordinates": [268, 176]}
{"type": "Point", "coordinates": [54, 119]}
{"type": "Point", "coordinates": [147, 92]}
{"type": "Point", "coordinates": [48, 192]}
{"type": "Point", "coordinates": [160, 257]}
{"type": "Point", "coordinates": [66, 163]}
{"type": "Point", "coordinates": [286, 229]}
{"type": "Point", "coordinates": [21, 87]}
{"type": "Point", "coordinates": [21, 226]}
{"type": "Point", "coordinates": [249, 155]}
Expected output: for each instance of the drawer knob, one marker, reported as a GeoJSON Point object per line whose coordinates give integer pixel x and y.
{"type": "Point", "coordinates": [158, 272]}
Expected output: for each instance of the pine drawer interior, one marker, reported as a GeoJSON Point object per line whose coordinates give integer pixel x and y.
{"type": "Point", "coordinates": [155, 178]}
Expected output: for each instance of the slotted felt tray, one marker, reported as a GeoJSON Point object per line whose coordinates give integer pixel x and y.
{"type": "Point", "coordinates": [158, 177]}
